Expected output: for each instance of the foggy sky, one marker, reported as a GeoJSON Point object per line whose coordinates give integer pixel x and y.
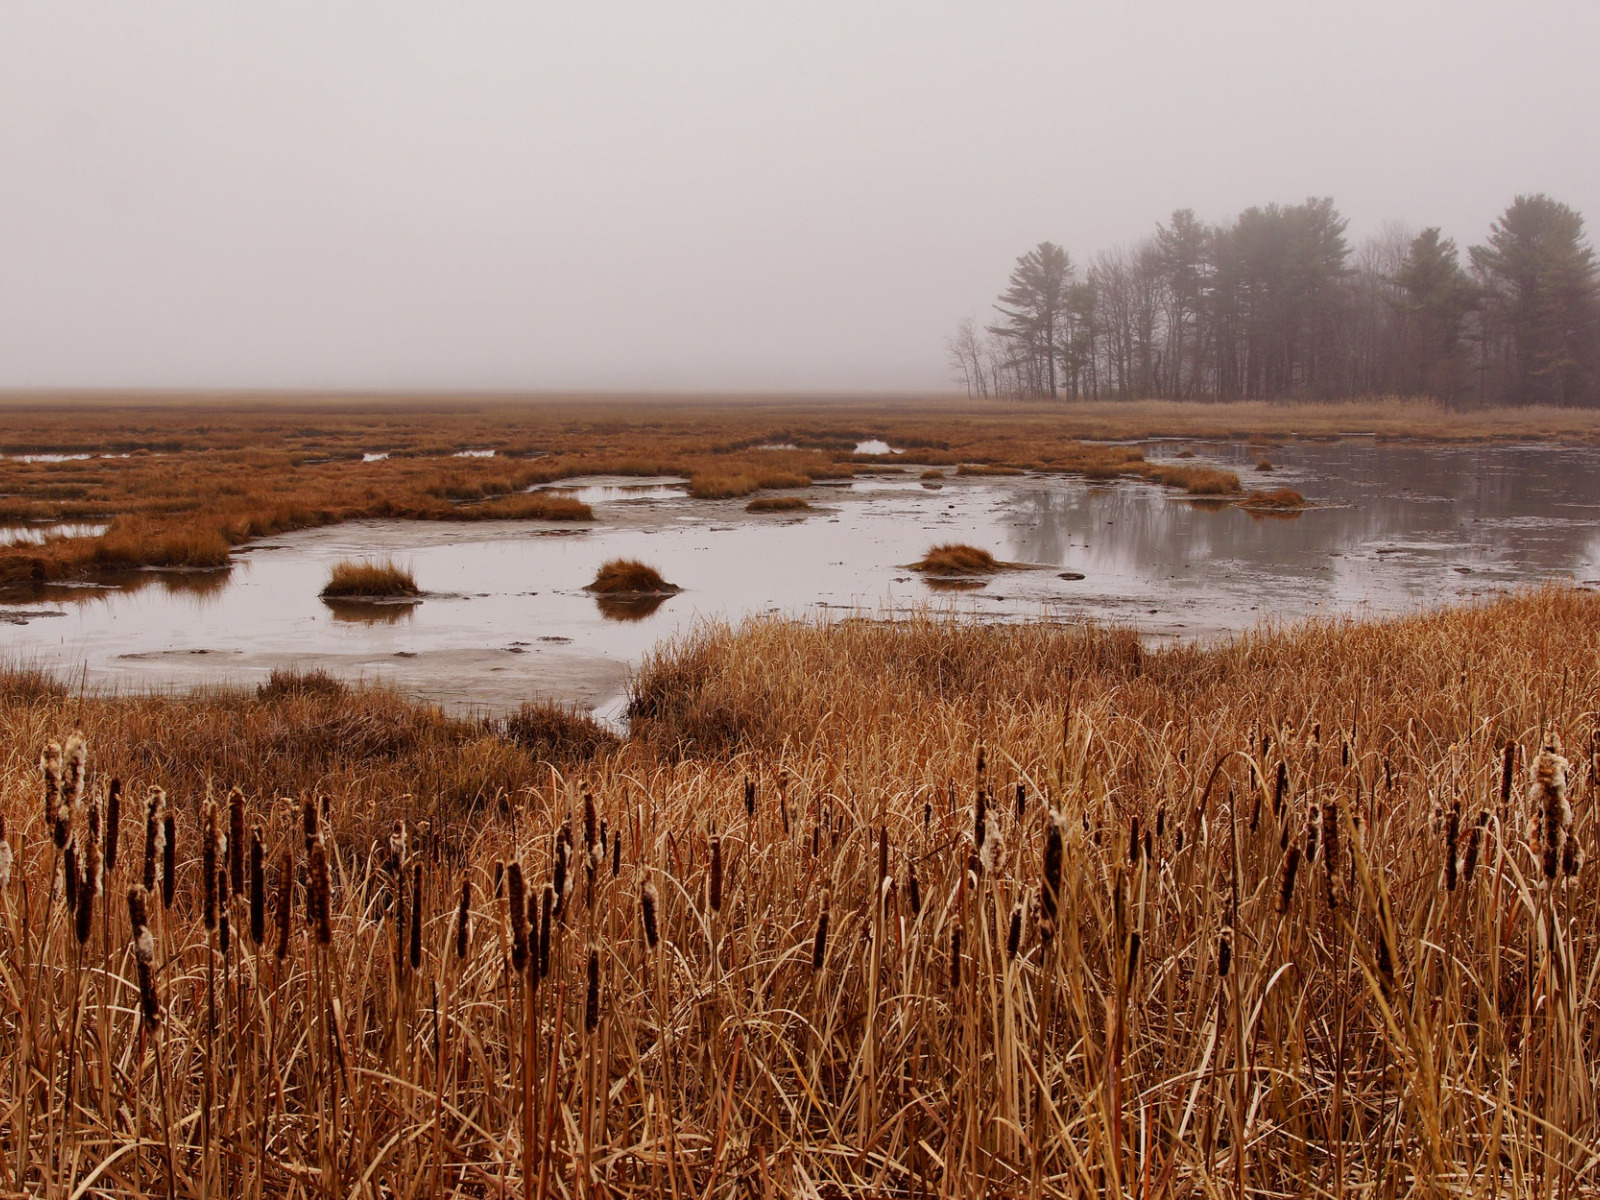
{"type": "Point", "coordinates": [697, 195]}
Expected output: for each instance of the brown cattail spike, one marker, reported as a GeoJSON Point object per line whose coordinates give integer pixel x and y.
{"type": "Point", "coordinates": [819, 944]}
{"type": "Point", "coordinates": [144, 953]}
{"type": "Point", "coordinates": [591, 1001]}
{"type": "Point", "coordinates": [1547, 796]}
{"type": "Point", "coordinates": [235, 842]}
{"type": "Point", "coordinates": [258, 887]}
{"type": "Point", "coordinates": [1014, 932]}
{"type": "Point", "coordinates": [647, 910]}
{"type": "Point", "coordinates": [169, 858]}
{"type": "Point", "coordinates": [211, 834]}
{"type": "Point", "coordinates": [464, 920]}
{"type": "Point", "coordinates": [913, 892]}
{"type": "Point", "coordinates": [285, 909]}
{"type": "Point", "coordinates": [57, 814]}
{"type": "Point", "coordinates": [955, 961]}
{"type": "Point", "coordinates": [518, 903]}
{"type": "Point", "coordinates": [320, 911]}
{"type": "Point", "coordinates": [716, 875]}
{"type": "Point", "coordinates": [546, 905]}
{"type": "Point", "coordinates": [1224, 954]}
{"type": "Point", "coordinates": [1291, 865]}
{"type": "Point", "coordinates": [416, 917]}
{"type": "Point", "coordinates": [1050, 891]}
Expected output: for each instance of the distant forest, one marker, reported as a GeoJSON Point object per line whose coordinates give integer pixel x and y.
{"type": "Point", "coordinates": [1278, 306]}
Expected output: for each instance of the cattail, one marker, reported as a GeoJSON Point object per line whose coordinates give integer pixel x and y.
{"type": "Point", "coordinates": [559, 876]}
{"type": "Point", "coordinates": [647, 909]}
{"type": "Point", "coordinates": [1280, 789]}
{"type": "Point", "coordinates": [5, 857]}
{"type": "Point", "coordinates": [75, 759]}
{"type": "Point", "coordinates": [56, 813]}
{"type": "Point", "coordinates": [1224, 953]}
{"type": "Point", "coordinates": [1255, 806]}
{"type": "Point", "coordinates": [154, 833]}
{"type": "Point", "coordinates": [308, 822]}
{"type": "Point", "coordinates": [993, 851]}
{"type": "Point", "coordinates": [1452, 836]}
{"type": "Point", "coordinates": [1161, 822]}
{"type": "Point", "coordinates": [235, 842]}
{"type": "Point", "coordinates": [285, 909]}
{"type": "Point", "coordinates": [1291, 865]}
{"type": "Point", "coordinates": [258, 887]}
{"type": "Point", "coordinates": [113, 825]}
{"type": "Point", "coordinates": [1022, 800]}
{"type": "Point", "coordinates": [749, 797]}
{"type": "Point", "coordinates": [1134, 944]}
{"type": "Point", "coordinates": [716, 875]}
{"type": "Point", "coordinates": [913, 892]}
{"type": "Point", "coordinates": [464, 919]}
{"type": "Point", "coordinates": [1508, 760]}
{"type": "Point", "coordinates": [955, 961]}
{"type": "Point", "coordinates": [616, 854]}
{"type": "Point", "coordinates": [547, 904]}
{"type": "Point", "coordinates": [1014, 933]}
{"type": "Point", "coordinates": [927, 815]}
{"type": "Point", "coordinates": [980, 813]}
{"type": "Point", "coordinates": [519, 915]}
{"type": "Point", "coordinates": [1547, 795]}
{"type": "Point", "coordinates": [416, 917]}
{"type": "Point", "coordinates": [1312, 823]}
{"type": "Point", "coordinates": [1050, 892]}
{"type": "Point", "coordinates": [499, 878]}
{"type": "Point", "coordinates": [319, 914]}
{"type": "Point", "coordinates": [1474, 839]}
{"type": "Point", "coordinates": [591, 1000]}
{"type": "Point", "coordinates": [819, 946]}
{"type": "Point", "coordinates": [144, 954]}
{"type": "Point", "coordinates": [70, 876]}
{"type": "Point", "coordinates": [1133, 841]}
{"type": "Point", "coordinates": [883, 854]}
{"type": "Point", "coordinates": [169, 858]}
{"type": "Point", "coordinates": [208, 861]}
{"type": "Point", "coordinates": [89, 889]}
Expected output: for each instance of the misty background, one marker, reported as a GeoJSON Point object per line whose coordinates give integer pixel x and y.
{"type": "Point", "coordinates": [700, 196]}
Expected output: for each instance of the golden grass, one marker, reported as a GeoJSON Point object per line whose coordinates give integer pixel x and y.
{"type": "Point", "coordinates": [369, 579]}
{"type": "Point", "coordinates": [953, 558]}
{"type": "Point", "coordinates": [797, 966]}
{"type": "Point", "coordinates": [767, 504]}
{"type": "Point", "coordinates": [981, 469]}
{"type": "Point", "coordinates": [1281, 498]}
{"type": "Point", "coordinates": [627, 576]}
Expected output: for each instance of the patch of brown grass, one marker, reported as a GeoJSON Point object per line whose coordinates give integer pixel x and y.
{"type": "Point", "coordinates": [988, 469]}
{"type": "Point", "coordinates": [627, 576]}
{"type": "Point", "coordinates": [1280, 498]}
{"type": "Point", "coordinates": [558, 733]}
{"type": "Point", "coordinates": [351, 578]}
{"type": "Point", "coordinates": [953, 558]}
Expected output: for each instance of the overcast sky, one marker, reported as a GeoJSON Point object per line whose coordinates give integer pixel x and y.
{"type": "Point", "coordinates": [696, 195]}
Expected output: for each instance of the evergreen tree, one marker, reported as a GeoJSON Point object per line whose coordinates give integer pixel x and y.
{"type": "Point", "coordinates": [1034, 307]}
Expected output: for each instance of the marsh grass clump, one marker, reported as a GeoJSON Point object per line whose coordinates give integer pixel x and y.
{"type": "Point", "coordinates": [954, 558]}
{"type": "Point", "coordinates": [558, 733]}
{"type": "Point", "coordinates": [1278, 498]}
{"type": "Point", "coordinates": [767, 504]}
{"type": "Point", "coordinates": [369, 579]}
{"type": "Point", "coordinates": [629, 577]}
{"type": "Point", "coordinates": [286, 683]}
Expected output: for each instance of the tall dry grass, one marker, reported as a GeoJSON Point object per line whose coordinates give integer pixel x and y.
{"type": "Point", "coordinates": [872, 908]}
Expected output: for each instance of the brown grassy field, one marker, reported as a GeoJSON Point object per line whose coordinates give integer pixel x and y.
{"type": "Point", "coordinates": [867, 908]}
{"type": "Point", "coordinates": [184, 479]}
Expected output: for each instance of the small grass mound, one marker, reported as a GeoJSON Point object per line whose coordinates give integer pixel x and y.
{"type": "Point", "coordinates": [557, 733]}
{"type": "Point", "coordinates": [529, 506]}
{"type": "Point", "coordinates": [931, 473]}
{"type": "Point", "coordinates": [988, 469]}
{"type": "Point", "coordinates": [1278, 498]}
{"type": "Point", "coordinates": [953, 558]}
{"type": "Point", "coordinates": [370, 579]}
{"type": "Point", "coordinates": [288, 683]}
{"type": "Point", "coordinates": [629, 577]}
{"type": "Point", "coordinates": [763, 504]}
{"type": "Point", "coordinates": [1264, 465]}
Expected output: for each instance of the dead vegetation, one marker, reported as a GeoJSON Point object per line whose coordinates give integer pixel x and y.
{"type": "Point", "coordinates": [365, 579]}
{"type": "Point", "coordinates": [629, 577]}
{"type": "Point", "coordinates": [953, 558]}
{"type": "Point", "coordinates": [778, 504]}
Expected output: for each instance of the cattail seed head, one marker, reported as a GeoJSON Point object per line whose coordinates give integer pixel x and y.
{"type": "Point", "coordinates": [71, 875]}
{"type": "Point", "coordinates": [258, 887]}
{"type": "Point", "coordinates": [749, 797]}
{"type": "Point", "coordinates": [980, 814]}
{"type": "Point", "coordinates": [591, 1000]}
{"type": "Point", "coordinates": [285, 910]}
{"type": "Point", "coordinates": [1014, 932]}
{"type": "Point", "coordinates": [546, 906]}
{"type": "Point", "coordinates": [57, 811]}
{"type": "Point", "coordinates": [1133, 841]}
{"type": "Point", "coordinates": [154, 835]}
{"type": "Point", "coordinates": [648, 901]}
{"type": "Point", "coordinates": [913, 892]}
{"type": "Point", "coordinates": [321, 907]}
{"type": "Point", "coordinates": [87, 891]}
{"type": "Point", "coordinates": [169, 858]}
{"type": "Point", "coordinates": [1469, 862]}
{"type": "Point", "coordinates": [1050, 891]}
{"type": "Point", "coordinates": [1280, 789]}
{"type": "Point", "coordinates": [955, 961]}
{"type": "Point", "coordinates": [1547, 796]}
{"type": "Point", "coordinates": [715, 888]}
{"type": "Point", "coordinates": [1508, 759]}
{"type": "Point", "coordinates": [211, 834]}
{"type": "Point", "coordinates": [517, 899]}
{"type": "Point", "coordinates": [1452, 838]}
{"type": "Point", "coordinates": [309, 826]}
{"type": "Point", "coordinates": [222, 916]}
{"type": "Point", "coordinates": [616, 854]}
{"type": "Point", "coordinates": [1291, 865]}
{"type": "Point", "coordinates": [819, 944]}
{"type": "Point", "coordinates": [144, 953]}
{"type": "Point", "coordinates": [1330, 850]}
{"type": "Point", "coordinates": [75, 761]}
{"type": "Point", "coordinates": [464, 920]}
{"type": "Point", "coordinates": [1135, 941]}
{"type": "Point", "coordinates": [113, 825]}
{"type": "Point", "coordinates": [883, 854]}
{"type": "Point", "coordinates": [5, 860]}
{"type": "Point", "coordinates": [1224, 953]}
{"type": "Point", "coordinates": [235, 842]}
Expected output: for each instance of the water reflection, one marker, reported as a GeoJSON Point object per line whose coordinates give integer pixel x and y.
{"type": "Point", "coordinates": [634, 607]}
{"type": "Point", "coordinates": [356, 612]}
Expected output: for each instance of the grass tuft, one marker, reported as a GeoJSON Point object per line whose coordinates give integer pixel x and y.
{"type": "Point", "coordinates": [629, 577]}
{"type": "Point", "coordinates": [763, 504]}
{"type": "Point", "coordinates": [370, 580]}
{"type": "Point", "coordinates": [953, 558]}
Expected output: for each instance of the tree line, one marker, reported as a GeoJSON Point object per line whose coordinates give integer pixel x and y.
{"type": "Point", "coordinates": [1276, 305]}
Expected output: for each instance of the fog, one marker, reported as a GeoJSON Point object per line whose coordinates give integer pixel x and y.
{"type": "Point", "coordinates": [696, 195]}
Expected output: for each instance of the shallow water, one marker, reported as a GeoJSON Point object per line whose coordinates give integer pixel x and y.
{"type": "Point", "coordinates": [506, 617]}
